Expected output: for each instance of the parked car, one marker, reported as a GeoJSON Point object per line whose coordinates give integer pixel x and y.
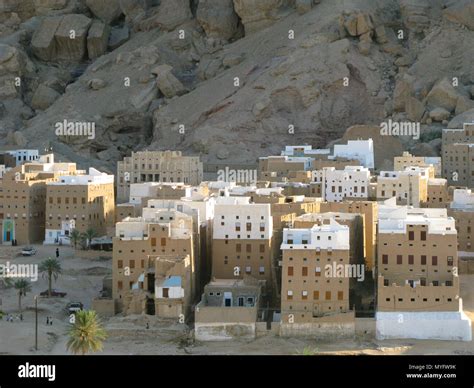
{"type": "Point", "coordinates": [28, 251]}
{"type": "Point", "coordinates": [74, 307]}
{"type": "Point", "coordinates": [54, 292]}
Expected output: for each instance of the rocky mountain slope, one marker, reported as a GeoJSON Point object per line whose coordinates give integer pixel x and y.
{"type": "Point", "coordinates": [230, 79]}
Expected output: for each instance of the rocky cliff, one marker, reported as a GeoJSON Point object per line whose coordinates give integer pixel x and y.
{"type": "Point", "coordinates": [230, 79]}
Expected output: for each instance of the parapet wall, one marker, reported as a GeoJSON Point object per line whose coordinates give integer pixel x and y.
{"type": "Point", "coordinates": [453, 326]}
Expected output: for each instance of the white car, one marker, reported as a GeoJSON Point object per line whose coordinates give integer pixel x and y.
{"type": "Point", "coordinates": [28, 251]}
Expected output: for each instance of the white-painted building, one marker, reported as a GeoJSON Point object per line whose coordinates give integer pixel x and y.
{"type": "Point", "coordinates": [332, 236]}
{"type": "Point", "coordinates": [24, 156]}
{"type": "Point", "coordinates": [463, 199]}
{"type": "Point", "coordinates": [137, 228]}
{"type": "Point", "coordinates": [304, 150]}
{"type": "Point", "coordinates": [139, 191]}
{"type": "Point", "coordinates": [337, 185]}
{"type": "Point", "coordinates": [233, 214]}
{"type": "Point", "coordinates": [93, 177]}
{"type": "Point", "coordinates": [361, 150]}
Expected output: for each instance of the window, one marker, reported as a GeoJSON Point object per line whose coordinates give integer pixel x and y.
{"type": "Point", "coordinates": [237, 226]}
{"type": "Point", "coordinates": [120, 264]}
{"type": "Point", "coordinates": [340, 295]}
{"type": "Point", "coordinates": [304, 295]}
{"type": "Point", "coordinates": [153, 241]}
{"type": "Point", "coordinates": [450, 261]}
{"type": "Point", "coordinates": [238, 247]}
{"type": "Point", "coordinates": [119, 284]}
{"type": "Point", "coordinates": [289, 295]}
{"type": "Point", "coordinates": [290, 271]}
{"type": "Point", "coordinates": [249, 227]}
{"type": "Point", "coordinates": [132, 263]}
{"type": "Point", "coordinates": [399, 259]}
{"type": "Point", "coordinates": [304, 271]}
{"type": "Point", "coordinates": [248, 270]}
{"type": "Point", "coordinates": [316, 295]}
{"type": "Point", "coordinates": [434, 260]}
{"type": "Point", "coordinates": [262, 248]}
{"type": "Point", "coordinates": [317, 272]}
{"type": "Point", "coordinates": [423, 259]}
{"type": "Point", "coordinates": [411, 235]}
{"type": "Point", "coordinates": [384, 259]}
{"type": "Point", "coordinates": [411, 259]}
{"type": "Point", "coordinates": [163, 241]}
{"type": "Point", "coordinates": [261, 270]}
{"type": "Point", "coordinates": [248, 248]}
{"type": "Point", "coordinates": [328, 295]}
{"type": "Point", "coordinates": [423, 235]}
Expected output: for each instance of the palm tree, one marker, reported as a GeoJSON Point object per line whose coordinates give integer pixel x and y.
{"type": "Point", "coordinates": [52, 269]}
{"type": "Point", "coordinates": [75, 237]}
{"type": "Point", "coordinates": [86, 334]}
{"type": "Point", "coordinates": [88, 235]}
{"type": "Point", "coordinates": [23, 286]}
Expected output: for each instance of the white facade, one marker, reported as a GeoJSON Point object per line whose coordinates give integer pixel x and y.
{"type": "Point", "coordinates": [202, 210]}
{"type": "Point", "coordinates": [394, 219]}
{"type": "Point", "coordinates": [463, 199]}
{"type": "Point", "coordinates": [303, 150]}
{"type": "Point", "coordinates": [180, 225]}
{"type": "Point", "coordinates": [330, 236]}
{"type": "Point", "coordinates": [453, 325]}
{"type": "Point", "coordinates": [24, 156]}
{"type": "Point", "coordinates": [337, 185]}
{"type": "Point", "coordinates": [233, 213]}
{"type": "Point", "coordinates": [361, 150]}
{"type": "Point", "coordinates": [94, 177]}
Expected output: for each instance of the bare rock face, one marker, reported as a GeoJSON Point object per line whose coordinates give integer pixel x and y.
{"type": "Point", "coordinates": [134, 9]}
{"type": "Point", "coordinates": [403, 91]}
{"type": "Point", "coordinates": [462, 12]}
{"type": "Point", "coordinates": [167, 83]}
{"type": "Point", "coordinates": [415, 14]}
{"type": "Point", "coordinates": [13, 63]}
{"type": "Point", "coordinates": [443, 95]}
{"type": "Point", "coordinates": [97, 39]}
{"type": "Point", "coordinates": [459, 120]}
{"type": "Point", "coordinates": [170, 14]}
{"type": "Point", "coordinates": [25, 9]}
{"type": "Point", "coordinates": [44, 97]}
{"type": "Point", "coordinates": [218, 18]}
{"type": "Point", "coordinates": [106, 10]}
{"type": "Point", "coordinates": [358, 24]}
{"type": "Point", "coordinates": [257, 14]}
{"type": "Point", "coordinates": [303, 6]}
{"type": "Point", "coordinates": [42, 7]}
{"type": "Point", "coordinates": [439, 114]}
{"type": "Point", "coordinates": [464, 104]}
{"type": "Point", "coordinates": [72, 49]}
{"type": "Point", "coordinates": [19, 139]}
{"type": "Point", "coordinates": [414, 109]}
{"type": "Point", "coordinates": [43, 43]}
{"type": "Point", "coordinates": [61, 38]}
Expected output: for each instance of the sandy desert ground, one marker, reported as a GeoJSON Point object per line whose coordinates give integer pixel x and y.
{"type": "Point", "coordinates": [82, 280]}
